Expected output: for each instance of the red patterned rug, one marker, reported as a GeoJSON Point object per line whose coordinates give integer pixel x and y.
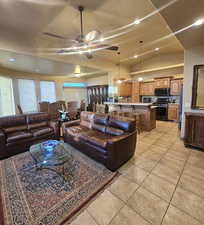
{"type": "Point", "coordinates": [37, 197]}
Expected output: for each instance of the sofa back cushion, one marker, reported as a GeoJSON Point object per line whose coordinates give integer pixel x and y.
{"type": "Point", "coordinates": [15, 123]}
{"type": "Point", "coordinates": [36, 120]}
{"type": "Point", "coordinates": [123, 123]}
{"type": "Point", "coordinates": [86, 119]}
{"type": "Point", "coordinates": [100, 118]}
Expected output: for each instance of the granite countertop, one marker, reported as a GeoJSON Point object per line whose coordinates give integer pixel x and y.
{"type": "Point", "coordinates": [129, 104]}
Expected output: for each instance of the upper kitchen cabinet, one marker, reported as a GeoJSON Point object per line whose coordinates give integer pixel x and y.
{"type": "Point", "coordinates": [147, 88]}
{"type": "Point", "coordinates": [162, 82]}
{"type": "Point", "coordinates": [135, 91]}
{"type": "Point", "coordinates": [125, 89]}
{"type": "Point", "coordinates": [176, 86]}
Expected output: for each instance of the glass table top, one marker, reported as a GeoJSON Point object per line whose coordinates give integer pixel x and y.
{"type": "Point", "coordinates": [57, 156]}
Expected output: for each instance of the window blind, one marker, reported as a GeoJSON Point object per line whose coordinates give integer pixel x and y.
{"type": "Point", "coordinates": [27, 95]}
{"type": "Point", "coordinates": [47, 91]}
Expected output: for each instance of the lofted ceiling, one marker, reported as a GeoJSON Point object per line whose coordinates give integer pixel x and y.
{"type": "Point", "coordinates": [182, 14]}
{"type": "Point", "coordinates": [22, 32]}
{"type": "Point", "coordinates": [34, 64]}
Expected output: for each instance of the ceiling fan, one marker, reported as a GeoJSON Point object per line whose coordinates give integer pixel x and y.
{"type": "Point", "coordinates": [83, 42]}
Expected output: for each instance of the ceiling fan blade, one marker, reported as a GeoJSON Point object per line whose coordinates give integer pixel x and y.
{"type": "Point", "coordinates": [89, 55]}
{"type": "Point", "coordinates": [109, 47]}
{"type": "Point", "coordinates": [53, 35]}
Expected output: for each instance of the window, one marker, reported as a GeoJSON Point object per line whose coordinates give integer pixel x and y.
{"type": "Point", "coordinates": [6, 97]}
{"type": "Point", "coordinates": [27, 95]}
{"type": "Point", "coordinates": [47, 91]}
{"type": "Point", "coordinates": [74, 84]}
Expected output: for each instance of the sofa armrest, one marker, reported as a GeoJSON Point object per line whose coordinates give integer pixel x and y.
{"type": "Point", "coordinates": [69, 124]}
{"type": "Point", "coordinates": [55, 126]}
{"type": "Point", "coordinates": [2, 139]}
{"type": "Point", "coordinates": [121, 149]}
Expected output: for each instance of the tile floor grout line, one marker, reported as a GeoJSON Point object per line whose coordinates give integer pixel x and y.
{"type": "Point", "coordinates": [174, 190]}
{"type": "Point", "coordinates": [148, 190]}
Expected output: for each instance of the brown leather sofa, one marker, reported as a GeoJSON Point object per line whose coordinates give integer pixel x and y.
{"type": "Point", "coordinates": [110, 140]}
{"type": "Point", "coordinates": [19, 132]}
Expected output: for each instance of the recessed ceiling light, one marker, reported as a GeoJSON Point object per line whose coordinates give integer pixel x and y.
{"type": "Point", "coordinates": [135, 56]}
{"type": "Point", "coordinates": [156, 49]}
{"type": "Point", "coordinates": [119, 81]}
{"type": "Point", "coordinates": [199, 22]}
{"type": "Point", "coordinates": [12, 60]}
{"type": "Point", "coordinates": [137, 21]}
{"type": "Point", "coordinates": [101, 39]}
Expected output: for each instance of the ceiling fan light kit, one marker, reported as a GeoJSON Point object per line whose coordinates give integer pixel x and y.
{"type": "Point", "coordinates": [88, 41]}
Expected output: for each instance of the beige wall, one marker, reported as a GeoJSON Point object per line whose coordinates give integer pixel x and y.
{"type": "Point", "coordinates": [101, 80]}
{"type": "Point", "coordinates": [159, 61]}
{"type": "Point", "coordinates": [194, 56]}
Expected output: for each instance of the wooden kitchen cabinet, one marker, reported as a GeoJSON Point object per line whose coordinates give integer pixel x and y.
{"type": "Point", "coordinates": [125, 89]}
{"type": "Point", "coordinates": [147, 88]}
{"type": "Point", "coordinates": [176, 86]}
{"type": "Point", "coordinates": [173, 112]}
{"type": "Point", "coordinates": [163, 82]}
{"type": "Point", "coordinates": [135, 91]}
{"type": "Point", "coordinates": [194, 135]}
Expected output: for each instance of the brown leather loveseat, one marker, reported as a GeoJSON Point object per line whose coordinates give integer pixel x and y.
{"type": "Point", "coordinates": [18, 132]}
{"type": "Point", "coordinates": [109, 140]}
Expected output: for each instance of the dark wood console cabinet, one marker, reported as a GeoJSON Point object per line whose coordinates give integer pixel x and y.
{"type": "Point", "coordinates": [194, 130]}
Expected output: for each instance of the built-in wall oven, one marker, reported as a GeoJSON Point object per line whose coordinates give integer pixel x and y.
{"type": "Point", "coordinates": [162, 108]}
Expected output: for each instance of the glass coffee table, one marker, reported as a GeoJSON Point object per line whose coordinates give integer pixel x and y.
{"type": "Point", "coordinates": [54, 159]}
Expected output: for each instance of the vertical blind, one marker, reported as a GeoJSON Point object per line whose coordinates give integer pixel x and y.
{"type": "Point", "coordinates": [6, 97]}
{"type": "Point", "coordinates": [47, 91]}
{"type": "Point", "coordinates": [27, 95]}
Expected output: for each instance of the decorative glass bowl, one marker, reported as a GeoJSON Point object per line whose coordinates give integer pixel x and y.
{"type": "Point", "coordinates": [49, 145]}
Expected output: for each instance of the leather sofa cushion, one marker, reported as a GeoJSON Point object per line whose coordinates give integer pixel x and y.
{"type": "Point", "coordinates": [85, 124]}
{"type": "Point", "coordinates": [101, 119]}
{"type": "Point", "coordinates": [17, 136]}
{"type": "Point", "coordinates": [13, 123]}
{"type": "Point", "coordinates": [123, 123]}
{"type": "Point", "coordinates": [15, 129]}
{"type": "Point", "coordinates": [37, 125]}
{"type": "Point", "coordinates": [76, 130]}
{"type": "Point", "coordinates": [86, 119]}
{"type": "Point", "coordinates": [95, 137]}
{"type": "Point", "coordinates": [37, 117]}
{"type": "Point", "coordinates": [99, 127]}
{"type": "Point", "coordinates": [41, 131]}
{"type": "Point", "coordinates": [114, 131]}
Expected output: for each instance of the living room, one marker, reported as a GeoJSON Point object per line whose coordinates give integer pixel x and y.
{"type": "Point", "coordinates": [101, 112]}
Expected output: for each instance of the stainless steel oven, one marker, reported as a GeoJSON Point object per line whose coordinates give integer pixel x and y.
{"type": "Point", "coordinates": [162, 108]}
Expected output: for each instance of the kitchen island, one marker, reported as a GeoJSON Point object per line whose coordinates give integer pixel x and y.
{"type": "Point", "coordinates": [146, 110]}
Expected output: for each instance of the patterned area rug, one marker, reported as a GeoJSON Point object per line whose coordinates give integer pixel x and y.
{"type": "Point", "coordinates": [37, 197]}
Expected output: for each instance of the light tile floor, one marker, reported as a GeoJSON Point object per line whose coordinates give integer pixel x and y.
{"type": "Point", "coordinates": [162, 184]}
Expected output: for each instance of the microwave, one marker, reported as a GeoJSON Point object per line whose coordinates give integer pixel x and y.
{"type": "Point", "coordinates": [162, 91]}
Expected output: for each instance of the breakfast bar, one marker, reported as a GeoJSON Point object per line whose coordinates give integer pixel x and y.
{"type": "Point", "coordinates": [147, 110]}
